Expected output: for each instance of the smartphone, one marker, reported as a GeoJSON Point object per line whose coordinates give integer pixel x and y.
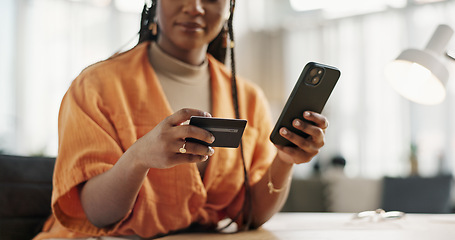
{"type": "Point", "coordinates": [310, 93]}
{"type": "Point", "coordinates": [228, 132]}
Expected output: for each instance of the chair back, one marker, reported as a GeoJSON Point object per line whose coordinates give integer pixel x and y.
{"type": "Point", "coordinates": [25, 195]}
{"type": "Point", "coordinates": [417, 194]}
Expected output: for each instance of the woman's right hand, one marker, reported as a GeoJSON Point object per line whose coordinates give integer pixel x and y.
{"type": "Point", "coordinates": [160, 148]}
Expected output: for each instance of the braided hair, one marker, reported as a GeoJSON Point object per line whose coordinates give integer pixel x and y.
{"type": "Point", "coordinates": [218, 49]}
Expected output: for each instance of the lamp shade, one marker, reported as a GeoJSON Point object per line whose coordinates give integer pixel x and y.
{"type": "Point", "coordinates": [420, 75]}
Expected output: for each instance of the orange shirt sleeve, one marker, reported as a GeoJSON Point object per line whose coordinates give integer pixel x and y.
{"type": "Point", "coordinates": [88, 146]}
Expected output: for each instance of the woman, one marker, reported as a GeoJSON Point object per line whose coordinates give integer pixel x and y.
{"type": "Point", "coordinates": [124, 168]}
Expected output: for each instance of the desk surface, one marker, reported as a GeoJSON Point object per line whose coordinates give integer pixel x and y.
{"type": "Point", "coordinates": [341, 226]}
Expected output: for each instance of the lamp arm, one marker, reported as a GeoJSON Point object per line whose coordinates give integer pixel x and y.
{"type": "Point", "coordinates": [450, 56]}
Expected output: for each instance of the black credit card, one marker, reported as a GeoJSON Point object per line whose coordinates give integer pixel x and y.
{"type": "Point", "coordinates": [227, 132]}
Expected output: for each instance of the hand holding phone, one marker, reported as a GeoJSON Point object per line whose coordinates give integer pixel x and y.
{"type": "Point", "coordinates": [310, 93]}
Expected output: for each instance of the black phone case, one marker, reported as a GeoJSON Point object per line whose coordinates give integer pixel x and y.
{"type": "Point", "coordinates": [305, 97]}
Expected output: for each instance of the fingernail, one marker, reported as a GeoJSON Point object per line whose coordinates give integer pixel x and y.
{"type": "Point", "coordinates": [284, 131]}
{"type": "Point", "coordinates": [205, 158]}
{"type": "Point", "coordinates": [211, 151]}
{"type": "Point", "coordinates": [206, 114]}
{"type": "Point", "coordinates": [212, 139]}
{"type": "Point", "coordinates": [297, 123]}
{"type": "Point", "coordinates": [306, 114]}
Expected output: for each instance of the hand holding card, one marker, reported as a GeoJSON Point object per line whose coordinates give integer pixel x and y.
{"type": "Point", "coordinates": [227, 132]}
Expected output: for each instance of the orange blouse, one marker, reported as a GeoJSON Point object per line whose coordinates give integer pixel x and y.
{"type": "Point", "coordinates": [113, 103]}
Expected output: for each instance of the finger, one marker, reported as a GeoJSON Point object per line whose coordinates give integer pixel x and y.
{"type": "Point", "coordinates": [190, 131]}
{"type": "Point", "coordinates": [299, 156]}
{"type": "Point", "coordinates": [197, 149]}
{"type": "Point", "coordinates": [306, 144]}
{"type": "Point", "coordinates": [189, 158]}
{"type": "Point", "coordinates": [185, 114]}
{"type": "Point", "coordinates": [316, 133]}
{"type": "Point", "coordinates": [318, 119]}
{"type": "Point", "coordinates": [183, 153]}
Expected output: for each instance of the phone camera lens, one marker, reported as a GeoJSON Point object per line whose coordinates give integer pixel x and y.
{"type": "Point", "coordinates": [315, 80]}
{"type": "Point", "coordinates": [313, 72]}
{"type": "Point", "coordinates": [315, 76]}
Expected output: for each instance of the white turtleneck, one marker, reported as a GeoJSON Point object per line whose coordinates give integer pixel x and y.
{"type": "Point", "coordinates": [185, 85]}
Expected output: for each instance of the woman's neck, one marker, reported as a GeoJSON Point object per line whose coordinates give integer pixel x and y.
{"type": "Point", "coordinates": [194, 56]}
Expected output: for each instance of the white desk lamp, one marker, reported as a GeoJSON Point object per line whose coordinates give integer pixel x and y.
{"type": "Point", "coordinates": [420, 75]}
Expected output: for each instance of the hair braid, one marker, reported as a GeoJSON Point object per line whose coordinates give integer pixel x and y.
{"type": "Point", "coordinates": [147, 17]}
{"type": "Point", "coordinates": [247, 204]}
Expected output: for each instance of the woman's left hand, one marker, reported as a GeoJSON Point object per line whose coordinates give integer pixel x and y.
{"type": "Point", "coordinates": [307, 147]}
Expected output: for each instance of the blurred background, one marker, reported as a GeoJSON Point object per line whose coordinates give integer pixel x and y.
{"type": "Point", "coordinates": [45, 44]}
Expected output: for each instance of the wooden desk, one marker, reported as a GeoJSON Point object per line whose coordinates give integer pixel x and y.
{"type": "Point", "coordinates": [340, 226]}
